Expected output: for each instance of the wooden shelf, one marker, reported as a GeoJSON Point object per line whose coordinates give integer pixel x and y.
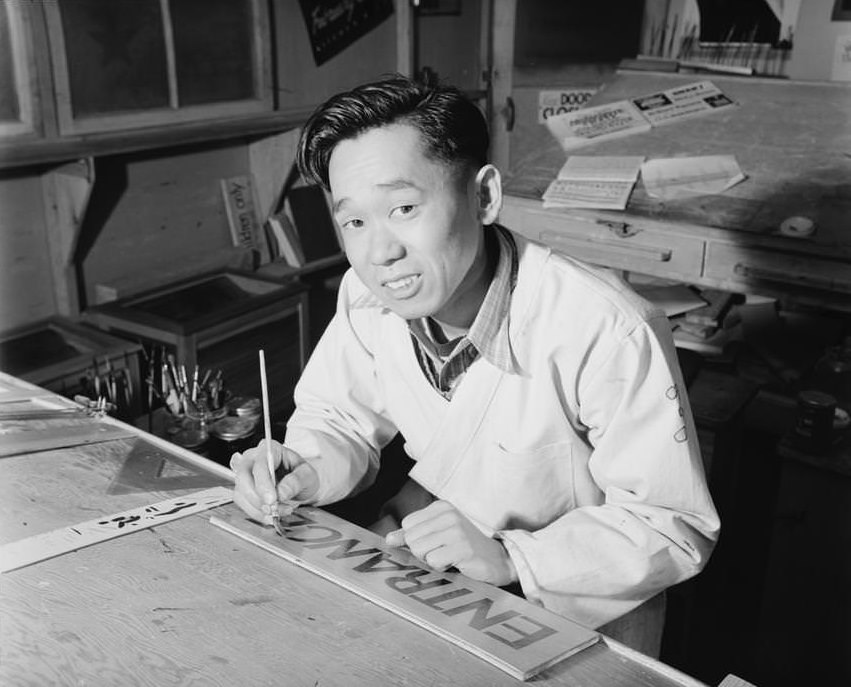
{"type": "Point", "coordinates": [279, 268]}
{"type": "Point", "coordinates": [48, 151]}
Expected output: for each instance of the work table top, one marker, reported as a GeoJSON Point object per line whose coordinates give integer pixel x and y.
{"type": "Point", "coordinates": [791, 139]}
{"type": "Point", "coordinates": [186, 602]}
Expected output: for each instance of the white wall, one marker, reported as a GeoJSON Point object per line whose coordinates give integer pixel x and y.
{"type": "Point", "coordinates": [815, 41]}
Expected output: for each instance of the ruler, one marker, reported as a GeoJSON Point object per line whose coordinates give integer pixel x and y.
{"type": "Point", "coordinates": [40, 547]}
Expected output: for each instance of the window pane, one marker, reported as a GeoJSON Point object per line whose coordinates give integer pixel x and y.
{"type": "Point", "coordinates": [116, 55]}
{"type": "Point", "coordinates": [9, 106]}
{"type": "Point", "coordinates": [214, 49]}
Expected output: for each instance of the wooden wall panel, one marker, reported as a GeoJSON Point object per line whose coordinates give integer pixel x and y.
{"type": "Point", "coordinates": [161, 215]}
{"type": "Point", "coordinates": [449, 44]}
{"type": "Point", "coordinates": [26, 289]}
{"type": "Point", "coordinates": [301, 85]}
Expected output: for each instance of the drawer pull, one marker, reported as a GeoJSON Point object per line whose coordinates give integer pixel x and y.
{"type": "Point", "coordinates": [610, 248]}
{"type": "Point", "coordinates": [619, 229]}
{"type": "Point", "coordinates": [789, 277]}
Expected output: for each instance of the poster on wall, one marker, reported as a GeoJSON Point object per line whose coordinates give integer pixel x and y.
{"type": "Point", "coordinates": [842, 59]}
{"type": "Point", "coordinates": [333, 25]}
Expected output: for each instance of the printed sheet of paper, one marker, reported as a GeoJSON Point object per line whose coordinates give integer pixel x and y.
{"type": "Point", "coordinates": [683, 177]}
{"type": "Point", "coordinates": [673, 299]}
{"type": "Point", "coordinates": [503, 629]}
{"type": "Point", "coordinates": [602, 168]}
{"type": "Point", "coordinates": [609, 195]}
{"type": "Point", "coordinates": [841, 68]}
{"type": "Point", "coordinates": [593, 124]}
{"type": "Point", "coordinates": [588, 181]}
{"type": "Point", "coordinates": [551, 103]}
{"type": "Point", "coordinates": [683, 102]}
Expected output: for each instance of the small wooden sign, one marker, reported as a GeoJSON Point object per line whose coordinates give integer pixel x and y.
{"type": "Point", "coordinates": [40, 547]}
{"type": "Point", "coordinates": [241, 208]}
{"type": "Point", "coordinates": [503, 629]}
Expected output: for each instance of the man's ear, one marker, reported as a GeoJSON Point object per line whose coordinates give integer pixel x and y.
{"type": "Point", "coordinates": [488, 193]}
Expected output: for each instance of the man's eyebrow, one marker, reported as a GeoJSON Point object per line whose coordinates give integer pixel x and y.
{"type": "Point", "coordinates": [338, 205]}
{"type": "Point", "coordinates": [392, 184]}
{"type": "Point", "coordinates": [397, 183]}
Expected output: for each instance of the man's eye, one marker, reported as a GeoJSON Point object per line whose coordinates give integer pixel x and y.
{"type": "Point", "coordinates": [403, 210]}
{"type": "Point", "coordinates": [352, 224]}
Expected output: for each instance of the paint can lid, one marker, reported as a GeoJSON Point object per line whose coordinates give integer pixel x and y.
{"type": "Point", "coordinates": [244, 406]}
{"type": "Point", "coordinates": [816, 399]}
{"type": "Point", "coordinates": [190, 437]}
{"type": "Point", "coordinates": [231, 428]}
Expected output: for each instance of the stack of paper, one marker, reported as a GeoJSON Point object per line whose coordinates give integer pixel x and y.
{"type": "Point", "coordinates": [683, 102]}
{"type": "Point", "coordinates": [594, 182]}
{"type": "Point", "coordinates": [637, 115]}
{"type": "Point", "coordinates": [682, 177]}
{"type": "Point", "coordinates": [600, 123]}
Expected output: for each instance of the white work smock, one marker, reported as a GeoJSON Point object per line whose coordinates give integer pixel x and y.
{"type": "Point", "coordinates": [583, 458]}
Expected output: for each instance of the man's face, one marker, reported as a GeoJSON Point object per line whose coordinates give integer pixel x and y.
{"type": "Point", "coordinates": [410, 229]}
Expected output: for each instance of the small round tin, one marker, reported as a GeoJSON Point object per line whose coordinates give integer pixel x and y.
{"type": "Point", "coordinates": [231, 428]}
{"type": "Point", "coordinates": [244, 406]}
{"type": "Point", "coordinates": [190, 437]}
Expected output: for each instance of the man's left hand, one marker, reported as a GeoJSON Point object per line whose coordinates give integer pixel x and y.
{"type": "Point", "coordinates": [441, 537]}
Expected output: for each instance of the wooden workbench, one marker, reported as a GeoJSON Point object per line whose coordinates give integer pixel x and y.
{"type": "Point", "coordinates": [185, 602]}
{"type": "Point", "coordinates": [791, 139]}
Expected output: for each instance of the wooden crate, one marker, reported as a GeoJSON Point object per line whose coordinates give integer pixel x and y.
{"type": "Point", "coordinates": [64, 356]}
{"type": "Point", "coordinates": [219, 321]}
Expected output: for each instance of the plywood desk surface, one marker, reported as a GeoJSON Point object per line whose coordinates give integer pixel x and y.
{"type": "Point", "coordinates": [187, 603]}
{"type": "Point", "coordinates": [792, 140]}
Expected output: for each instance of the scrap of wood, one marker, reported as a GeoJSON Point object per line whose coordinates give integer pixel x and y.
{"type": "Point", "coordinates": [713, 314]}
{"type": "Point", "coordinates": [31, 441]}
{"type": "Point", "coordinates": [9, 395]}
{"type": "Point", "coordinates": [701, 331]}
{"type": "Point", "coordinates": [501, 628]}
{"type": "Point", "coordinates": [47, 545]}
{"type": "Point", "coordinates": [734, 681]}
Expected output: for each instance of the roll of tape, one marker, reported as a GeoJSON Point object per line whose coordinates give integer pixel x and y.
{"type": "Point", "coordinates": [797, 227]}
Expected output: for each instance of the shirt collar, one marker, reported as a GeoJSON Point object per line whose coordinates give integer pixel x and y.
{"type": "Point", "coordinates": [489, 331]}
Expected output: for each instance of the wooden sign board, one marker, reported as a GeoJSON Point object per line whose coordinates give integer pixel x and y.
{"type": "Point", "coordinates": [503, 629]}
{"type": "Point", "coordinates": [47, 439]}
{"type": "Point", "coordinates": [41, 547]}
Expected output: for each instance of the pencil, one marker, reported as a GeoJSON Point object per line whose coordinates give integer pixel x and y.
{"type": "Point", "coordinates": [267, 425]}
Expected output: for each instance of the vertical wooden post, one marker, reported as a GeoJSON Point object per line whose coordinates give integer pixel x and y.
{"type": "Point", "coordinates": [502, 47]}
{"type": "Point", "coordinates": [270, 160]}
{"type": "Point", "coordinates": [66, 191]}
{"type": "Point", "coordinates": [404, 38]}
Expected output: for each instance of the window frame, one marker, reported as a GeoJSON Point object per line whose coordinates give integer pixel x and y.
{"type": "Point", "coordinates": [174, 112]}
{"type": "Point", "coordinates": [24, 72]}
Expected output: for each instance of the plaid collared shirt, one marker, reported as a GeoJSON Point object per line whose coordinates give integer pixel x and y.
{"type": "Point", "coordinates": [445, 364]}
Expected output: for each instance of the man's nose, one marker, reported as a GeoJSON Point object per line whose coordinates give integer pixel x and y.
{"type": "Point", "coordinates": [385, 246]}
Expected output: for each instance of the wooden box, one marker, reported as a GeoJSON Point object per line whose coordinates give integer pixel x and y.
{"type": "Point", "coordinates": [218, 321]}
{"type": "Point", "coordinates": [65, 356]}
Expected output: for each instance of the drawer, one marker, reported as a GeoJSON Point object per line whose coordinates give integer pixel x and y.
{"type": "Point", "coordinates": [751, 265]}
{"type": "Point", "coordinates": [610, 244]}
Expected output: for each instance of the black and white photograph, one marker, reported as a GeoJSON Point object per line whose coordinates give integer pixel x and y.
{"type": "Point", "coordinates": [424, 343]}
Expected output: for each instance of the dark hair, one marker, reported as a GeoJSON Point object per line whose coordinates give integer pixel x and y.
{"type": "Point", "coordinates": [452, 127]}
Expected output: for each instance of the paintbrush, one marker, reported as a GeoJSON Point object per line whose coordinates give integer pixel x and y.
{"type": "Point", "coordinates": [267, 427]}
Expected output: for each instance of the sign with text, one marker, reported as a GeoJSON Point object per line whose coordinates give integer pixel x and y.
{"type": "Point", "coordinates": [551, 103]}
{"type": "Point", "coordinates": [333, 25]}
{"type": "Point", "coordinates": [507, 631]}
{"type": "Point", "coordinates": [243, 220]}
{"type": "Point", "coordinates": [40, 547]}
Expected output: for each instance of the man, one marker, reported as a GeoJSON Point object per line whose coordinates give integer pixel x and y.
{"type": "Point", "coordinates": [539, 398]}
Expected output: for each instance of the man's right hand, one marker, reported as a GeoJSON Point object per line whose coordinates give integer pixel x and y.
{"type": "Point", "coordinates": [255, 491]}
